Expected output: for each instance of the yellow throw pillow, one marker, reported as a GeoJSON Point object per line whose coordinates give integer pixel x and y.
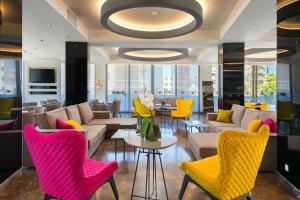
{"type": "Point", "coordinates": [254, 125]}
{"type": "Point", "coordinates": [224, 116]}
{"type": "Point", "coordinates": [73, 123]}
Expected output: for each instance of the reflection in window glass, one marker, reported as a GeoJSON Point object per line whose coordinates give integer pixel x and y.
{"type": "Point", "coordinates": [260, 84]}
{"type": "Point", "coordinates": [8, 77]}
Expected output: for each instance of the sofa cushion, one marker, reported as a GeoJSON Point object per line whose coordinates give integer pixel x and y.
{"type": "Point", "coordinates": [60, 124]}
{"type": "Point", "coordinates": [238, 113]}
{"type": "Point", "coordinates": [56, 114]}
{"type": "Point", "coordinates": [224, 116]}
{"type": "Point", "coordinates": [216, 124]}
{"type": "Point", "coordinates": [220, 129]}
{"type": "Point", "coordinates": [73, 113]}
{"type": "Point", "coordinates": [86, 112]}
{"type": "Point", "coordinates": [115, 123]}
{"type": "Point", "coordinates": [268, 115]}
{"type": "Point", "coordinates": [254, 125]}
{"type": "Point", "coordinates": [42, 121]}
{"type": "Point", "coordinates": [249, 115]}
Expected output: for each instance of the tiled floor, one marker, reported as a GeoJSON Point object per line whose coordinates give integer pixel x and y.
{"type": "Point", "coordinates": [26, 187]}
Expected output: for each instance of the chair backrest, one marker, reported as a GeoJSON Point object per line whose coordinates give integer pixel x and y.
{"type": "Point", "coordinates": [264, 106]}
{"type": "Point", "coordinates": [6, 104]}
{"type": "Point", "coordinates": [116, 106]}
{"type": "Point", "coordinates": [184, 106]}
{"type": "Point", "coordinates": [53, 101]}
{"type": "Point", "coordinates": [29, 104]}
{"type": "Point", "coordinates": [240, 155]}
{"type": "Point", "coordinates": [39, 109]}
{"type": "Point", "coordinates": [58, 158]}
{"type": "Point", "coordinates": [249, 104]}
{"type": "Point", "coordinates": [140, 108]}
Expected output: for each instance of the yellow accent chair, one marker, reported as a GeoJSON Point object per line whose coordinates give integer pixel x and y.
{"type": "Point", "coordinates": [232, 172]}
{"type": "Point", "coordinates": [6, 105]}
{"type": "Point", "coordinates": [183, 110]}
{"type": "Point", "coordinates": [249, 105]}
{"type": "Point", "coordinates": [140, 110]}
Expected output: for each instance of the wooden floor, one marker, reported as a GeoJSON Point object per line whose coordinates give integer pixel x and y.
{"type": "Point", "coordinates": [26, 187]}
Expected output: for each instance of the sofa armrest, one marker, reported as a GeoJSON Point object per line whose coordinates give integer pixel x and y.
{"type": "Point", "coordinates": [212, 116]}
{"type": "Point", "coordinates": [102, 114]}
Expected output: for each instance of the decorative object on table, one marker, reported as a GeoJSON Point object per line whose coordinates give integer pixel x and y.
{"type": "Point", "coordinates": [149, 130]}
{"type": "Point", "coordinates": [163, 103]}
{"type": "Point", "coordinates": [147, 99]}
{"type": "Point", "coordinates": [234, 168]}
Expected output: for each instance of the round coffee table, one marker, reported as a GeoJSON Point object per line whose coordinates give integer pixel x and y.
{"type": "Point", "coordinates": [151, 149]}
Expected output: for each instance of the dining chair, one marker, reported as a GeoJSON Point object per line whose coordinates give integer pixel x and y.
{"type": "Point", "coordinates": [233, 171]}
{"type": "Point", "coordinates": [62, 167]}
{"type": "Point", "coordinates": [183, 110]}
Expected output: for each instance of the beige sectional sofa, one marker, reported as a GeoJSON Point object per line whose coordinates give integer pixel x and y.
{"type": "Point", "coordinates": [203, 145]}
{"type": "Point", "coordinates": [96, 124]}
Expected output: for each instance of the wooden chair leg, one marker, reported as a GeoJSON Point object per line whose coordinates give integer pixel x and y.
{"type": "Point", "coordinates": [114, 187]}
{"type": "Point", "coordinates": [184, 185]}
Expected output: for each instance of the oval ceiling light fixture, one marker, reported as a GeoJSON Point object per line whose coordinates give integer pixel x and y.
{"type": "Point", "coordinates": [153, 54]}
{"type": "Point", "coordinates": [288, 20]}
{"type": "Point", "coordinates": [155, 19]}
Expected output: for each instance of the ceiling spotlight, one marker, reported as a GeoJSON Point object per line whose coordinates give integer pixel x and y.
{"type": "Point", "coordinates": [154, 13]}
{"type": "Point", "coordinates": [48, 24]}
{"type": "Point", "coordinates": [137, 18]}
{"type": "Point", "coordinates": [153, 54]}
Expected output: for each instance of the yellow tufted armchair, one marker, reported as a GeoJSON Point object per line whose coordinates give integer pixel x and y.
{"type": "Point", "coordinates": [232, 172]}
{"type": "Point", "coordinates": [183, 110]}
{"type": "Point", "coordinates": [140, 110]}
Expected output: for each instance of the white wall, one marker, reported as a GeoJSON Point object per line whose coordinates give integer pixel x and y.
{"type": "Point", "coordinates": [100, 76]}
{"type": "Point", "coordinates": [42, 63]}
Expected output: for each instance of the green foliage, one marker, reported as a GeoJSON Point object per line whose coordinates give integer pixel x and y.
{"type": "Point", "coordinates": [269, 85]}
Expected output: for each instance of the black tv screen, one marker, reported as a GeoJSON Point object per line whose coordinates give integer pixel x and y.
{"type": "Point", "coordinates": [42, 75]}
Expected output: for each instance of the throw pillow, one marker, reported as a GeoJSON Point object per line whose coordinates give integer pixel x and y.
{"type": "Point", "coordinates": [73, 123]}
{"type": "Point", "coordinates": [224, 116]}
{"type": "Point", "coordinates": [254, 125]}
{"type": "Point", "coordinates": [9, 125]}
{"type": "Point", "coordinates": [269, 122]}
{"type": "Point", "coordinates": [60, 124]}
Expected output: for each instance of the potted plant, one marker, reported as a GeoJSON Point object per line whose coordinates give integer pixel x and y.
{"type": "Point", "coordinates": [150, 131]}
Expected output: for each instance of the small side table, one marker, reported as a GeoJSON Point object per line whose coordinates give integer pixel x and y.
{"type": "Point", "coordinates": [151, 149]}
{"type": "Point", "coordinates": [120, 135]}
{"type": "Point", "coordinates": [190, 124]}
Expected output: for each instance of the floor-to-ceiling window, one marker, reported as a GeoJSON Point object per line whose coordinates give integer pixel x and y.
{"type": "Point", "coordinates": [140, 80]}
{"type": "Point", "coordinates": [260, 84]}
{"type": "Point", "coordinates": [126, 82]}
{"type": "Point", "coordinates": [117, 84]}
{"type": "Point", "coordinates": [188, 83]}
{"type": "Point", "coordinates": [164, 81]}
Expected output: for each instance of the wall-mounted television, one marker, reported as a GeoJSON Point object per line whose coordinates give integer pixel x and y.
{"type": "Point", "coordinates": [37, 75]}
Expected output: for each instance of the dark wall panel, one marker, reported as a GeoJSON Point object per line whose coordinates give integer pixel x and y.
{"type": "Point", "coordinates": [231, 60]}
{"type": "Point", "coordinates": [288, 97]}
{"type": "Point", "coordinates": [76, 72]}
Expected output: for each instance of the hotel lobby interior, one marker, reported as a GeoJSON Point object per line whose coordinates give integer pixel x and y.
{"type": "Point", "coordinates": [149, 99]}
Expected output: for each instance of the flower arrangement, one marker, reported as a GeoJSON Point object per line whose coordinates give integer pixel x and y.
{"type": "Point", "coordinates": [149, 130]}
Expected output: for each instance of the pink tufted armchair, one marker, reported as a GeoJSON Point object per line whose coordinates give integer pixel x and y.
{"type": "Point", "coordinates": [63, 170]}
